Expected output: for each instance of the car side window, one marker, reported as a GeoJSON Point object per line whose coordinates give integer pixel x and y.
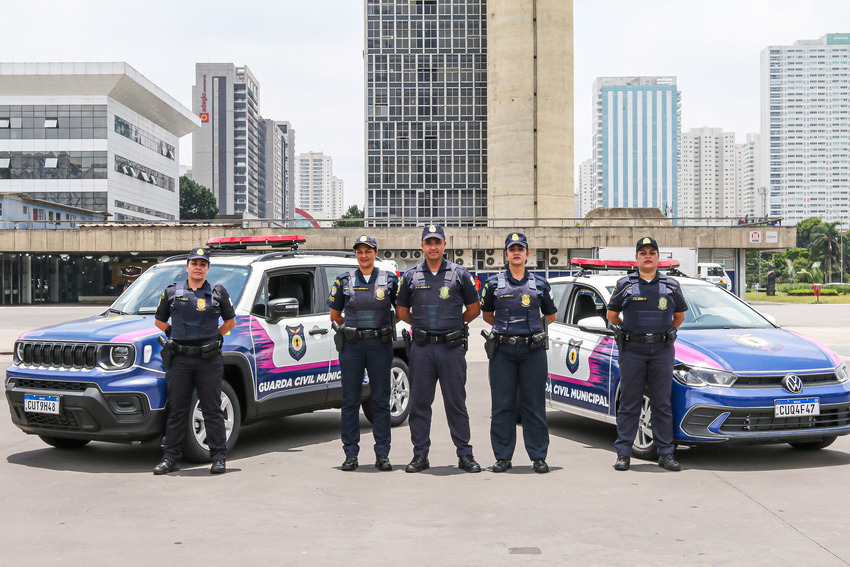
{"type": "Point", "coordinates": [332, 273]}
{"type": "Point", "coordinates": [586, 303]}
{"type": "Point", "coordinates": [296, 285]}
{"type": "Point", "coordinates": [558, 290]}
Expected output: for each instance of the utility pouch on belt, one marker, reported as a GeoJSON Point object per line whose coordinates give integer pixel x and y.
{"type": "Point", "coordinates": [339, 338]}
{"type": "Point", "coordinates": [671, 334]}
{"type": "Point", "coordinates": [387, 334]}
{"type": "Point", "coordinates": [538, 340]}
{"type": "Point", "coordinates": [420, 337]}
{"type": "Point", "coordinates": [455, 339]}
{"type": "Point", "coordinates": [167, 350]}
{"type": "Point", "coordinates": [405, 337]}
{"type": "Point", "coordinates": [350, 334]}
{"type": "Point", "coordinates": [466, 337]}
{"type": "Point", "coordinates": [491, 345]}
{"type": "Point", "coordinates": [210, 349]}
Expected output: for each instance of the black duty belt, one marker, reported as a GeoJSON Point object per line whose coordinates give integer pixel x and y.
{"type": "Point", "coordinates": [372, 333]}
{"type": "Point", "coordinates": [650, 338]}
{"type": "Point", "coordinates": [514, 339]}
{"type": "Point", "coordinates": [207, 348]}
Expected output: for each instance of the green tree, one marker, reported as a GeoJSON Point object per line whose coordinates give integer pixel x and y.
{"type": "Point", "coordinates": [804, 231]}
{"type": "Point", "coordinates": [353, 212]}
{"type": "Point", "coordinates": [196, 201]}
{"type": "Point", "coordinates": [826, 243]}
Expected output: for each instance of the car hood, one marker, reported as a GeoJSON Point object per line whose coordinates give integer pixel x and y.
{"type": "Point", "coordinates": [753, 350]}
{"type": "Point", "coordinates": [114, 328]}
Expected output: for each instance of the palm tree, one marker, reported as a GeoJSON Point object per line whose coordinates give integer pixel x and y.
{"type": "Point", "coordinates": [827, 240]}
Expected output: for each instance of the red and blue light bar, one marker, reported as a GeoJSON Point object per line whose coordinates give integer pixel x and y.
{"type": "Point", "coordinates": [242, 242]}
{"type": "Point", "coordinates": [596, 264]}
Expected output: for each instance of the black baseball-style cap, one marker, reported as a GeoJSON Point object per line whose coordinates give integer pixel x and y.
{"type": "Point", "coordinates": [198, 253]}
{"type": "Point", "coordinates": [646, 241]}
{"type": "Point", "coordinates": [433, 231]}
{"type": "Point", "coordinates": [366, 239]}
{"type": "Point", "coordinates": [516, 238]}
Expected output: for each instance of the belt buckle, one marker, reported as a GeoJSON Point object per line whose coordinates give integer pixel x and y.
{"type": "Point", "coordinates": [512, 341]}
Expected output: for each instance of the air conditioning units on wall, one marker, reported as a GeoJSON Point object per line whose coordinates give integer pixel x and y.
{"type": "Point", "coordinates": [463, 258]}
{"type": "Point", "coordinates": [559, 258]}
{"type": "Point", "coordinates": [493, 259]}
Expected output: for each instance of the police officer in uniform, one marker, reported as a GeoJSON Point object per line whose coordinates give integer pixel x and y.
{"type": "Point", "coordinates": [512, 302]}
{"type": "Point", "coordinates": [438, 298]}
{"type": "Point", "coordinates": [367, 296]}
{"type": "Point", "coordinates": [652, 307]}
{"type": "Point", "coordinates": [194, 307]}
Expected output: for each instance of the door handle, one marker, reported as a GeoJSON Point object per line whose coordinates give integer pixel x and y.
{"type": "Point", "coordinates": [318, 331]}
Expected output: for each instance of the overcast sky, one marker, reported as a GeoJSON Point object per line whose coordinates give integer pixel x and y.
{"type": "Point", "coordinates": [307, 55]}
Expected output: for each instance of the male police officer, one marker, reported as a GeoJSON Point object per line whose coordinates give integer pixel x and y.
{"type": "Point", "coordinates": [194, 308]}
{"type": "Point", "coordinates": [367, 296]}
{"type": "Point", "coordinates": [512, 302]}
{"type": "Point", "coordinates": [653, 307]}
{"type": "Point", "coordinates": [438, 298]}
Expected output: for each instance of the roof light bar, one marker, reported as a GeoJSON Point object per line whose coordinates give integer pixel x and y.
{"type": "Point", "coordinates": [597, 264]}
{"type": "Point", "coordinates": [242, 242]}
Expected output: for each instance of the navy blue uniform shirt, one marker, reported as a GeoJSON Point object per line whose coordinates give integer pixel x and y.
{"type": "Point", "coordinates": [411, 298]}
{"type": "Point", "coordinates": [647, 312]}
{"type": "Point", "coordinates": [338, 298]}
{"type": "Point", "coordinates": [206, 301]}
{"type": "Point", "coordinates": [544, 291]}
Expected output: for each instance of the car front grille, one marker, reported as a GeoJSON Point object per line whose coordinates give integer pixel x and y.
{"type": "Point", "coordinates": [65, 420]}
{"type": "Point", "coordinates": [30, 384]}
{"type": "Point", "coordinates": [776, 380]}
{"type": "Point", "coordinates": [57, 355]}
{"type": "Point", "coordinates": [762, 420]}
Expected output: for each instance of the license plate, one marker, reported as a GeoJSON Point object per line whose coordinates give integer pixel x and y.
{"type": "Point", "coordinates": [796, 408]}
{"type": "Point", "coordinates": [41, 404]}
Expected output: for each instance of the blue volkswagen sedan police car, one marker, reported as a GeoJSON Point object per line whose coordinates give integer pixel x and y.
{"type": "Point", "coordinates": [738, 378]}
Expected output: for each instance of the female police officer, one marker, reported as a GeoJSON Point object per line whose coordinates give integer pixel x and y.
{"type": "Point", "coordinates": [194, 308]}
{"type": "Point", "coordinates": [652, 306]}
{"type": "Point", "coordinates": [367, 296]}
{"type": "Point", "coordinates": [512, 302]}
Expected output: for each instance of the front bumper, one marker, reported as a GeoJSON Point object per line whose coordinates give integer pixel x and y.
{"type": "Point", "coordinates": [746, 415]}
{"type": "Point", "coordinates": [85, 411]}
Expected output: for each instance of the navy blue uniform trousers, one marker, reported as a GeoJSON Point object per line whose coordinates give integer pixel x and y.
{"type": "Point", "coordinates": [204, 375]}
{"type": "Point", "coordinates": [430, 364]}
{"type": "Point", "coordinates": [516, 369]}
{"type": "Point", "coordinates": [355, 358]}
{"type": "Point", "coordinates": [645, 367]}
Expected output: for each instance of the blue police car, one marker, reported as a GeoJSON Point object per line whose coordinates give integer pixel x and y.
{"type": "Point", "coordinates": [738, 378]}
{"type": "Point", "coordinates": [102, 378]}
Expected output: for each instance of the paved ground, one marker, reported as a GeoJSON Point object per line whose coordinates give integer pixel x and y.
{"type": "Point", "coordinates": [284, 500]}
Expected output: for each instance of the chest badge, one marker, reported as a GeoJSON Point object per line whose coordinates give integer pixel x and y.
{"type": "Point", "coordinates": [202, 304]}
{"type": "Point", "coordinates": [297, 344]}
{"type": "Point", "coordinates": [380, 293]}
{"type": "Point", "coordinates": [526, 300]}
{"type": "Point", "coordinates": [572, 355]}
{"type": "Point", "coordinates": [662, 303]}
{"type": "Point", "coordinates": [444, 292]}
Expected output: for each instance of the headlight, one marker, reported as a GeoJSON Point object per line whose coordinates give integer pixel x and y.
{"type": "Point", "coordinates": [699, 377]}
{"type": "Point", "coordinates": [115, 357]}
{"type": "Point", "coordinates": [19, 352]}
{"type": "Point", "coordinates": [841, 373]}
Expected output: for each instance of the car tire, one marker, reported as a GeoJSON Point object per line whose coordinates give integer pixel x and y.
{"type": "Point", "coordinates": [64, 442]}
{"type": "Point", "coordinates": [814, 445]}
{"type": "Point", "coordinates": [399, 394]}
{"type": "Point", "coordinates": [195, 448]}
{"type": "Point", "coordinates": [644, 446]}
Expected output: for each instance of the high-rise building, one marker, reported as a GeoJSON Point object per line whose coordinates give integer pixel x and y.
{"type": "Point", "coordinates": [529, 111]}
{"type": "Point", "coordinates": [225, 150]}
{"type": "Point", "coordinates": [708, 175]}
{"type": "Point", "coordinates": [94, 136]}
{"type": "Point", "coordinates": [805, 128]}
{"type": "Point", "coordinates": [637, 128]}
{"type": "Point", "coordinates": [287, 133]}
{"type": "Point", "coordinates": [272, 155]}
{"type": "Point", "coordinates": [751, 187]}
{"type": "Point", "coordinates": [426, 112]}
{"type": "Point", "coordinates": [585, 192]}
{"type": "Point", "coordinates": [318, 192]}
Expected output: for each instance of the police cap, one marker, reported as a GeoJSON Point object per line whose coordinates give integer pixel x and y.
{"type": "Point", "coordinates": [366, 239]}
{"type": "Point", "coordinates": [516, 238]}
{"type": "Point", "coordinates": [646, 241]}
{"type": "Point", "coordinates": [198, 253]}
{"type": "Point", "coordinates": [433, 231]}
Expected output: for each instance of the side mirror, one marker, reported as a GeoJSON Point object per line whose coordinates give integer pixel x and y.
{"type": "Point", "coordinates": [595, 324]}
{"type": "Point", "coordinates": [284, 308]}
{"type": "Point", "coordinates": [770, 318]}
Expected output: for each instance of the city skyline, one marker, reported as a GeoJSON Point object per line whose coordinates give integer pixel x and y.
{"type": "Point", "coordinates": [715, 59]}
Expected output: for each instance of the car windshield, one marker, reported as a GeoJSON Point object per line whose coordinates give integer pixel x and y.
{"type": "Point", "coordinates": [143, 295]}
{"type": "Point", "coordinates": [716, 272]}
{"type": "Point", "coordinates": [710, 307]}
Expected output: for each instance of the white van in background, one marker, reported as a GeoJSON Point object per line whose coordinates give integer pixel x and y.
{"type": "Point", "coordinates": [715, 274]}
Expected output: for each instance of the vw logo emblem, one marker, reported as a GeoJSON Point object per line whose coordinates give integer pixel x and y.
{"type": "Point", "coordinates": [792, 383]}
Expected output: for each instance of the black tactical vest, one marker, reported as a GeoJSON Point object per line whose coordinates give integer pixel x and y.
{"type": "Point", "coordinates": [436, 308]}
{"type": "Point", "coordinates": [517, 307]}
{"type": "Point", "coordinates": [194, 314]}
{"type": "Point", "coordinates": [368, 306]}
{"type": "Point", "coordinates": [647, 313]}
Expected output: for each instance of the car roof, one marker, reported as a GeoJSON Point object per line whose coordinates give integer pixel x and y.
{"type": "Point", "coordinates": [606, 280]}
{"type": "Point", "coordinates": [272, 259]}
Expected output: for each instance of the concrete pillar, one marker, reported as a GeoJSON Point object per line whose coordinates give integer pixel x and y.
{"type": "Point", "coordinates": [26, 279]}
{"type": "Point", "coordinates": [529, 110]}
{"type": "Point", "coordinates": [53, 278]}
